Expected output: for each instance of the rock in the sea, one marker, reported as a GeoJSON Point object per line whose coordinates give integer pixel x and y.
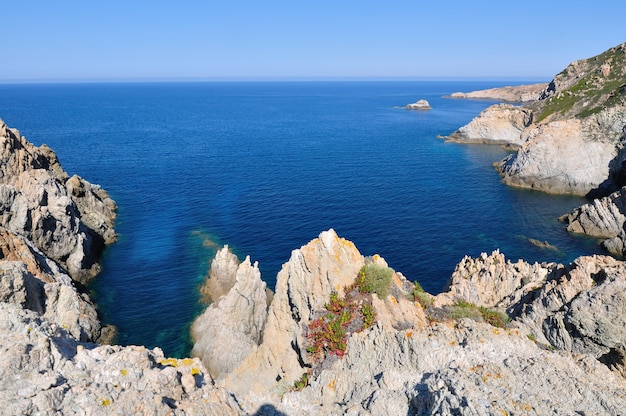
{"type": "Point", "coordinates": [68, 219]}
{"type": "Point", "coordinates": [419, 105]}
{"type": "Point", "coordinates": [603, 218]}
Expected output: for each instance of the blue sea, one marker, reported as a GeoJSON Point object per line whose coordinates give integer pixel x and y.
{"type": "Point", "coordinates": [265, 167]}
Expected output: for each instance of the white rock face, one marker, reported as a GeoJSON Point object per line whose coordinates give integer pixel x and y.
{"type": "Point", "coordinates": [463, 368]}
{"type": "Point", "coordinates": [231, 327]}
{"type": "Point", "coordinates": [45, 371]}
{"type": "Point", "coordinates": [303, 286]}
{"type": "Point", "coordinates": [559, 157]}
{"type": "Point", "coordinates": [407, 364]}
{"type": "Point", "coordinates": [498, 124]}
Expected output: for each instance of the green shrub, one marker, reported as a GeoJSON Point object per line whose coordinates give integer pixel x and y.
{"type": "Point", "coordinates": [369, 315]}
{"type": "Point", "coordinates": [461, 309]}
{"type": "Point", "coordinates": [495, 318]}
{"type": "Point", "coordinates": [301, 383]}
{"type": "Point", "coordinates": [373, 278]}
{"type": "Point", "coordinates": [423, 298]}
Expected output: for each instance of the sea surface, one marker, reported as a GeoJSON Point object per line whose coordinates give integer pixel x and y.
{"type": "Point", "coordinates": [265, 167]}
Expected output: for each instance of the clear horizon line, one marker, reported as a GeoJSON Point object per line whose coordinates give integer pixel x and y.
{"type": "Point", "coordinates": [530, 78]}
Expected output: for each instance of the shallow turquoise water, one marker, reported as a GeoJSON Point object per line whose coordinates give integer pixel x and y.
{"type": "Point", "coordinates": [265, 167]}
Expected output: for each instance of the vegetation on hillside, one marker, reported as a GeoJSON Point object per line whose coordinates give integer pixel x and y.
{"type": "Point", "coordinates": [587, 87]}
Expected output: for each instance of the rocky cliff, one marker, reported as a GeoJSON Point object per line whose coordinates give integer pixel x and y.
{"type": "Point", "coordinates": [559, 350]}
{"type": "Point", "coordinates": [67, 218]}
{"type": "Point", "coordinates": [52, 230]}
{"type": "Point", "coordinates": [572, 137]}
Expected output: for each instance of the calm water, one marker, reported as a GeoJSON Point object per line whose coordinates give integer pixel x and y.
{"type": "Point", "coordinates": [265, 167]}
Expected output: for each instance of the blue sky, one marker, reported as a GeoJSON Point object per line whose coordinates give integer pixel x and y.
{"type": "Point", "coordinates": [197, 40]}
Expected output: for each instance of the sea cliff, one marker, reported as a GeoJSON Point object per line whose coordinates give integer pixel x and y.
{"type": "Point", "coordinates": [570, 138]}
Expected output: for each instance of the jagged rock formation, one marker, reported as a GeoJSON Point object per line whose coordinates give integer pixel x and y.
{"type": "Point", "coordinates": [68, 219]}
{"type": "Point", "coordinates": [575, 139]}
{"type": "Point", "coordinates": [45, 371]}
{"type": "Point", "coordinates": [563, 352]}
{"type": "Point", "coordinates": [231, 327]}
{"type": "Point", "coordinates": [303, 286]}
{"type": "Point", "coordinates": [579, 308]}
{"type": "Point", "coordinates": [519, 93]}
{"type": "Point", "coordinates": [603, 218]}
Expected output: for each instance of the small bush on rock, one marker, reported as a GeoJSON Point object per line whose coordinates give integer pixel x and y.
{"type": "Point", "coordinates": [373, 278]}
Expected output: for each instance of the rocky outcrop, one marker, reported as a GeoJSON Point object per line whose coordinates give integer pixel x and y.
{"type": "Point", "coordinates": [574, 141]}
{"type": "Point", "coordinates": [419, 105]}
{"type": "Point", "coordinates": [602, 218]}
{"type": "Point", "coordinates": [562, 353]}
{"type": "Point", "coordinates": [559, 157]}
{"type": "Point", "coordinates": [46, 371]}
{"type": "Point", "coordinates": [68, 219]}
{"type": "Point", "coordinates": [518, 93]}
{"type": "Point", "coordinates": [303, 286]}
{"type": "Point", "coordinates": [230, 328]}
{"type": "Point", "coordinates": [500, 124]}
{"type": "Point", "coordinates": [579, 308]}
{"type": "Point", "coordinates": [493, 281]}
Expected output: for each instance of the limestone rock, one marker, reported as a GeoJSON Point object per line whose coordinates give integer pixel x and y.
{"type": "Point", "coordinates": [467, 368]}
{"type": "Point", "coordinates": [68, 219]}
{"type": "Point", "coordinates": [602, 218]}
{"type": "Point", "coordinates": [498, 124]}
{"type": "Point", "coordinates": [32, 281]}
{"type": "Point", "coordinates": [231, 327]}
{"type": "Point", "coordinates": [303, 286]}
{"type": "Point", "coordinates": [493, 281]}
{"type": "Point", "coordinates": [44, 370]}
{"type": "Point", "coordinates": [419, 105]}
{"type": "Point", "coordinates": [566, 341]}
{"type": "Point", "coordinates": [519, 93]}
{"type": "Point", "coordinates": [222, 274]}
{"type": "Point", "coordinates": [559, 157]}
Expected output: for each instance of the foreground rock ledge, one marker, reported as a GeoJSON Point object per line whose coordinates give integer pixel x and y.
{"type": "Point", "coordinates": [563, 352]}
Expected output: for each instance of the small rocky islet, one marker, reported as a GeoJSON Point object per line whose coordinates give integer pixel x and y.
{"type": "Point", "coordinates": [343, 333]}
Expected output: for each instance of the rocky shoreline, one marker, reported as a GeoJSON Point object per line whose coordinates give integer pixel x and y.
{"type": "Point", "coordinates": [343, 333]}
